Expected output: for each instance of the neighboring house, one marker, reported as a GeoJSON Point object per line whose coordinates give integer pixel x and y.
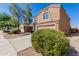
{"type": "Point", "coordinates": [74, 30]}
{"type": "Point", "coordinates": [28, 28]}
{"type": "Point", "coordinates": [53, 17]}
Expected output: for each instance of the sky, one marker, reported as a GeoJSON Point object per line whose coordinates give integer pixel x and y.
{"type": "Point", "coordinates": [72, 9]}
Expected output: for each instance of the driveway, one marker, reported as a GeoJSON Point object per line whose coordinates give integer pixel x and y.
{"type": "Point", "coordinates": [6, 49]}
{"type": "Point", "coordinates": [21, 43]}
{"type": "Point", "coordinates": [74, 43]}
{"type": "Point", "coordinates": [10, 47]}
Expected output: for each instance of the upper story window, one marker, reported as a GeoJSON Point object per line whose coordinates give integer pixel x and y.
{"type": "Point", "coordinates": [45, 15]}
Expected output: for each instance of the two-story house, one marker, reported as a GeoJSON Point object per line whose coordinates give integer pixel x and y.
{"type": "Point", "coordinates": [54, 17]}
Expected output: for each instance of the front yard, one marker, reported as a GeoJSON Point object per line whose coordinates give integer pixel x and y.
{"type": "Point", "coordinates": [74, 50]}
{"type": "Point", "coordinates": [23, 47]}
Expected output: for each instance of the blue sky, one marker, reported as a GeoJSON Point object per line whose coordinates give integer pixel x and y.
{"type": "Point", "coordinates": [72, 10]}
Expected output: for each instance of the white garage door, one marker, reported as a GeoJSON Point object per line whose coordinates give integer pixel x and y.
{"type": "Point", "coordinates": [44, 27]}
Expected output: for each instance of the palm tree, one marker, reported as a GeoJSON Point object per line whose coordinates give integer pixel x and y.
{"type": "Point", "coordinates": [15, 11]}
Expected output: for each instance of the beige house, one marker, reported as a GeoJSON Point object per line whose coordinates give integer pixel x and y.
{"type": "Point", "coordinates": [53, 17]}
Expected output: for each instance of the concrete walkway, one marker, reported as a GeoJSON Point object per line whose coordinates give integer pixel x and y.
{"type": "Point", "coordinates": [6, 49]}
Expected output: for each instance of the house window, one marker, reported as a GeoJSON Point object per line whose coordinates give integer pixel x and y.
{"type": "Point", "coordinates": [45, 15]}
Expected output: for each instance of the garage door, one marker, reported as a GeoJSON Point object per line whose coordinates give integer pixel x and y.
{"type": "Point", "coordinates": [44, 27]}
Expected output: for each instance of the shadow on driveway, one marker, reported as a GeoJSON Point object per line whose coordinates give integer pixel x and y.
{"type": "Point", "coordinates": [73, 52]}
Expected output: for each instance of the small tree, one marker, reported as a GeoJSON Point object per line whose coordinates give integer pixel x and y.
{"type": "Point", "coordinates": [4, 18]}
{"type": "Point", "coordinates": [15, 11]}
{"type": "Point", "coordinates": [27, 17]}
{"type": "Point", "coordinates": [28, 14]}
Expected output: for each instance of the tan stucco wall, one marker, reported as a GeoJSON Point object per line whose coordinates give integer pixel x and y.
{"type": "Point", "coordinates": [56, 16]}
{"type": "Point", "coordinates": [53, 14]}
{"type": "Point", "coordinates": [64, 24]}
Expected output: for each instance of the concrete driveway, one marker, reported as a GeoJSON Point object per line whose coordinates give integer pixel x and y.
{"type": "Point", "coordinates": [21, 43]}
{"type": "Point", "coordinates": [10, 47]}
{"type": "Point", "coordinates": [74, 43]}
{"type": "Point", "coordinates": [6, 49]}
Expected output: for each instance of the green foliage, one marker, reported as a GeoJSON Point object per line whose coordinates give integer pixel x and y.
{"type": "Point", "coordinates": [20, 14]}
{"type": "Point", "coordinates": [16, 13]}
{"type": "Point", "coordinates": [13, 22]}
{"type": "Point", "coordinates": [15, 31]}
{"type": "Point", "coordinates": [28, 14]}
{"type": "Point", "coordinates": [50, 42]}
{"type": "Point", "coordinates": [4, 17]}
{"type": "Point", "coordinates": [7, 23]}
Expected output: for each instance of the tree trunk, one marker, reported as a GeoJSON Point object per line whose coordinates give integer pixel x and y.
{"type": "Point", "coordinates": [18, 24]}
{"type": "Point", "coordinates": [25, 24]}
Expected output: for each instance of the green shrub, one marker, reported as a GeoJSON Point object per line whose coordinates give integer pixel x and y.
{"type": "Point", "coordinates": [15, 31]}
{"type": "Point", "coordinates": [50, 42]}
{"type": "Point", "coordinates": [6, 31]}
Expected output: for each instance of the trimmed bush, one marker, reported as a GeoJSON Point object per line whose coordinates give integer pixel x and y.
{"type": "Point", "coordinates": [50, 42]}
{"type": "Point", "coordinates": [15, 31]}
